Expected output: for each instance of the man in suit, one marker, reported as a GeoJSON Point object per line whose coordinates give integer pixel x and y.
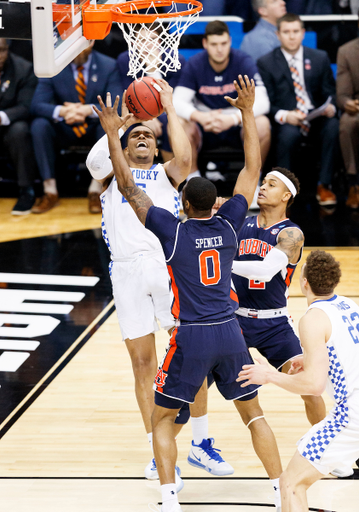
{"type": "Point", "coordinates": [17, 86]}
{"type": "Point", "coordinates": [62, 107]}
{"type": "Point", "coordinates": [348, 102]}
{"type": "Point", "coordinates": [299, 79]}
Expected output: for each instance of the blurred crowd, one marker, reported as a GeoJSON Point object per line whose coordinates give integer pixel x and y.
{"type": "Point", "coordinates": [39, 117]}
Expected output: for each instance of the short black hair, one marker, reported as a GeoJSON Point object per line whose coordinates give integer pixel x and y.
{"type": "Point", "coordinates": [216, 28]}
{"type": "Point", "coordinates": [289, 18]}
{"type": "Point", "coordinates": [292, 177]}
{"type": "Point", "coordinates": [200, 193]}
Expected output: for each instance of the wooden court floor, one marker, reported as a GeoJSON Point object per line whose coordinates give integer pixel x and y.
{"type": "Point", "coordinates": [81, 444]}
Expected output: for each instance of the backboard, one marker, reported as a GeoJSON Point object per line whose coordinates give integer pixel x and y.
{"type": "Point", "coordinates": [57, 33]}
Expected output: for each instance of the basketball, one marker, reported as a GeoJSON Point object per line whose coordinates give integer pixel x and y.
{"type": "Point", "coordinates": [143, 99]}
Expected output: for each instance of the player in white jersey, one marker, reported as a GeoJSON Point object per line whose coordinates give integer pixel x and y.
{"type": "Point", "coordinates": [329, 333]}
{"type": "Point", "coordinates": [138, 269]}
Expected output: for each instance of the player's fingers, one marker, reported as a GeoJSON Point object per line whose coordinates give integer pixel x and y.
{"type": "Point", "coordinates": [115, 105]}
{"type": "Point", "coordinates": [123, 104]}
{"type": "Point", "coordinates": [248, 83]}
{"type": "Point", "coordinates": [98, 112]}
{"type": "Point", "coordinates": [230, 100]}
{"type": "Point", "coordinates": [241, 82]}
{"type": "Point", "coordinates": [102, 105]}
{"type": "Point", "coordinates": [127, 117]}
{"type": "Point", "coordinates": [108, 99]}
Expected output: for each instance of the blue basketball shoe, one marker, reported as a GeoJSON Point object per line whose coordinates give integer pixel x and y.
{"type": "Point", "coordinates": [206, 457]}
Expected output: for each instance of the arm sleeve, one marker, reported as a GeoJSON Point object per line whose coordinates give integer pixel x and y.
{"type": "Point", "coordinates": [98, 160]}
{"type": "Point", "coordinates": [234, 211]}
{"type": "Point", "coordinates": [163, 224]}
{"type": "Point", "coordinates": [261, 103]}
{"type": "Point", "coordinates": [265, 270]}
{"type": "Point", "coordinates": [183, 101]}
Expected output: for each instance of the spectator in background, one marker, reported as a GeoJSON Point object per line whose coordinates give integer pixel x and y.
{"type": "Point", "coordinates": [158, 125]}
{"type": "Point", "coordinates": [348, 102]}
{"type": "Point", "coordinates": [310, 6]}
{"type": "Point", "coordinates": [17, 86]}
{"type": "Point", "coordinates": [199, 97]}
{"type": "Point", "coordinates": [299, 79]}
{"type": "Point", "coordinates": [263, 37]}
{"type": "Point", "coordinates": [242, 8]}
{"type": "Point", "coordinates": [62, 108]}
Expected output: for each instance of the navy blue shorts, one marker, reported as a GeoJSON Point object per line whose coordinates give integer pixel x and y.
{"type": "Point", "coordinates": [194, 351]}
{"type": "Point", "coordinates": [274, 338]}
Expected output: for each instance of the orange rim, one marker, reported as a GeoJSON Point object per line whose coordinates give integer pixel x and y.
{"type": "Point", "coordinates": [122, 12]}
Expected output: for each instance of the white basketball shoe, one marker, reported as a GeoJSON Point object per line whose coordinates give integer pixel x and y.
{"type": "Point", "coordinates": [206, 457]}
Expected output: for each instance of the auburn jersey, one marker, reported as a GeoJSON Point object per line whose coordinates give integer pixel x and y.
{"type": "Point", "coordinates": [199, 255]}
{"type": "Point", "coordinates": [254, 243]}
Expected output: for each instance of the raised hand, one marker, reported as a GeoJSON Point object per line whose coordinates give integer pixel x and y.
{"type": "Point", "coordinates": [246, 93]}
{"type": "Point", "coordinates": [165, 93]}
{"type": "Point", "coordinates": [109, 118]}
{"type": "Point", "coordinates": [124, 112]}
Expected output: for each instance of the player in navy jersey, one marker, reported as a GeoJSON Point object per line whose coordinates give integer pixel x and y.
{"type": "Point", "coordinates": [270, 246]}
{"type": "Point", "coordinates": [199, 256]}
{"type": "Point", "coordinates": [199, 98]}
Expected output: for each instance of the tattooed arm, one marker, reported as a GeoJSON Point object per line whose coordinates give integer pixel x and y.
{"type": "Point", "coordinates": [111, 123]}
{"type": "Point", "coordinates": [291, 241]}
{"type": "Point", "coordinates": [288, 250]}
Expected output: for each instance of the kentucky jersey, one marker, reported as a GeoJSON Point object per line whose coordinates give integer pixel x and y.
{"type": "Point", "coordinates": [342, 346]}
{"type": "Point", "coordinates": [199, 255]}
{"type": "Point", "coordinates": [124, 234]}
{"type": "Point", "coordinates": [254, 243]}
{"type": "Point", "coordinates": [211, 87]}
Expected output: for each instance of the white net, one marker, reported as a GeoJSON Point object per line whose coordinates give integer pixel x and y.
{"type": "Point", "coordinates": [153, 47]}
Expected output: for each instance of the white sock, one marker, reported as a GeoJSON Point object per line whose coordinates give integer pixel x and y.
{"type": "Point", "coordinates": [95, 186]}
{"type": "Point", "coordinates": [169, 497]}
{"type": "Point", "coordinates": [277, 499]}
{"type": "Point", "coordinates": [50, 186]}
{"type": "Point", "coordinates": [199, 428]}
{"type": "Point", "coordinates": [149, 437]}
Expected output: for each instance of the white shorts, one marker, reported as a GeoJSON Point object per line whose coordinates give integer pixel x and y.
{"type": "Point", "coordinates": [334, 442]}
{"type": "Point", "coordinates": [141, 290]}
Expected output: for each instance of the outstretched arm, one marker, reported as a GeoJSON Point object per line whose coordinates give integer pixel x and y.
{"type": "Point", "coordinates": [314, 329]}
{"type": "Point", "coordinates": [177, 168]}
{"type": "Point", "coordinates": [287, 250]}
{"type": "Point", "coordinates": [111, 123]}
{"type": "Point", "coordinates": [98, 160]}
{"type": "Point", "coordinates": [248, 177]}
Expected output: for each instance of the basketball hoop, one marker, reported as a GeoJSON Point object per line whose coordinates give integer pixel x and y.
{"type": "Point", "coordinates": [152, 37]}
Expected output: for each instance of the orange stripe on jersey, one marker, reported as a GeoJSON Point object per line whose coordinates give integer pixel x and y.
{"type": "Point", "coordinates": [233, 295]}
{"type": "Point", "coordinates": [289, 273]}
{"type": "Point", "coordinates": [176, 304]}
{"type": "Point", "coordinates": [171, 351]}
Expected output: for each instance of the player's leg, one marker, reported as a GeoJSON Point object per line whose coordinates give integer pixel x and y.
{"type": "Point", "coordinates": [314, 405]}
{"type": "Point", "coordinates": [263, 440]}
{"type": "Point", "coordinates": [202, 454]}
{"type": "Point", "coordinates": [143, 356]}
{"type": "Point", "coordinates": [165, 450]}
{"type": "Point", "coordinates": [294, 482]}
